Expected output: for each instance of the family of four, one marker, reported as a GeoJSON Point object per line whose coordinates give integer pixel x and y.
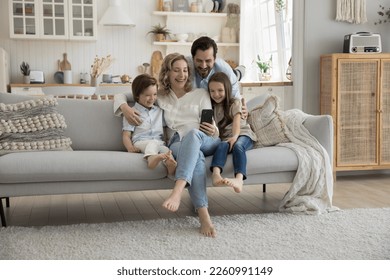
{"type": "Point", "coordinates": [184, 88]}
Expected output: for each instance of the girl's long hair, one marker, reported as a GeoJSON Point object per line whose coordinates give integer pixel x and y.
{"type": "Point", "coordinates": [222, 78]}
{"type": "Point", "coordinates": [166, 66]}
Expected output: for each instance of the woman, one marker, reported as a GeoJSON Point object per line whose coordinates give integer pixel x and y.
{"type": "Point", "coordinates": [190, 141]}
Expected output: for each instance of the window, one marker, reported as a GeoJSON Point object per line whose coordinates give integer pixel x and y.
{"type": "Point", "coordinates": [266, 30]}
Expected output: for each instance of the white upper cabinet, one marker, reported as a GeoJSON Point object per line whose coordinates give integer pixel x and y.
{"type": "Point", "coordinates": [53, 19]}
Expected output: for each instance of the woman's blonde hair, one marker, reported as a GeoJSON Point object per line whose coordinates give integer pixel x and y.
{"type": "Point", "coordinates": [166, 66]}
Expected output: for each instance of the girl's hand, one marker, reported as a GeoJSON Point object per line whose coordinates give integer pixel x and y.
{"type": "Point", "coordinates": [207, 128]}
{"type": "Point", "coordinates": [231, 142]}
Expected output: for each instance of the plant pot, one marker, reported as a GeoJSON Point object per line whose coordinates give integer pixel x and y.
{"type": "Point", "coordinates": [264, 76]}
{"type": "Point", "coordinates": [159, 37]}
{"type": "Point", "coordinates": [26, 79]}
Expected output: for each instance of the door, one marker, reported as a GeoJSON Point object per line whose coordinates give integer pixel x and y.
{"type": "Point", "coordinates": [357, 117]}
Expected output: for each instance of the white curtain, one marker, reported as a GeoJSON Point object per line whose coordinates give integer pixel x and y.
{"type": "Point", "coordinates": [250, 29]}
{"type": "Point", "coordinates": [352, 11]}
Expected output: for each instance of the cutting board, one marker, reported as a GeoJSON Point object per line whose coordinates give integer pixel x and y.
{"type": "Point", "coordinates": [155, 65]}
{"type": "Point", "coordinates": [65, 64]}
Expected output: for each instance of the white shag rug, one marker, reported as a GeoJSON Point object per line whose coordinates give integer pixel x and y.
{"type": "Point", "coordinates": [346, 234]}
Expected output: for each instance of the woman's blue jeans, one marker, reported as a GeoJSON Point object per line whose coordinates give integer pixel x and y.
{"type": "Point", "coordinates": [190, 155]}
{"type": "Point", "coordinates": [243, 144]}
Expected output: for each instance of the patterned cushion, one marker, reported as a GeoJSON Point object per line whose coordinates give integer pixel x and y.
{"type": "Point", "coordinates": [32, 125]}
{"type": "Point", "coordinates": [267, 123]}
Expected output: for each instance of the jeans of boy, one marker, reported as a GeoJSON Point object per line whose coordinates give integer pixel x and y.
{"type": "Point", "coordinates": [243, 144]}
{"type": "Point", "coordinates": [190, 155]}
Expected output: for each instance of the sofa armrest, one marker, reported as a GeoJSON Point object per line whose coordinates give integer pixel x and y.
{"type": "Point", "coordinates": [321, 127]}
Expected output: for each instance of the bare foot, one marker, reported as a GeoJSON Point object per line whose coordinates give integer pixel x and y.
{"type": "Point", "coordinates": [172, 203]}
{"type": "Point", "coordinates": [170, 163]}
{"type": "Point", "coordinates": [217, 180]}
{"type": "Point", "coordinates": [206, 226]}
{"type": "Point", "coordinates": [236, 183]}
{"type": "Point", "coordinates": [154, 160]}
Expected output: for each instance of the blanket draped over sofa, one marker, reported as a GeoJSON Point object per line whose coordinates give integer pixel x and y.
{"type": "Point", "coordinates": [312, 188]}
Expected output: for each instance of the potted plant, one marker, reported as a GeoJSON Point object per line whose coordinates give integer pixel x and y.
{"type": "Point", "coordinates": [160, 32]}
{"type": "Point", "coordinates": [25, 69]}
{"type": "Point", "coordinates": [264, 68]}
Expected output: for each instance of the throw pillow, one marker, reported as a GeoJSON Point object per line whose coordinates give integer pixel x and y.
{"type": "Point", "coordinates": [267, 123]}
{"type": "Point", "coordinates": [32, 125]}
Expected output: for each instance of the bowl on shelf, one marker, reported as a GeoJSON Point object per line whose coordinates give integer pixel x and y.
{"type": "Point", "coordinates": [181, 37]}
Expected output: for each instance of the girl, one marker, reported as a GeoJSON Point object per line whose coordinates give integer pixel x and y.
{"type": "Point", "coordinates": [235, 133]}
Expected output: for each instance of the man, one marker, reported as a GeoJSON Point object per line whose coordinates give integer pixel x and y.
{"type": "Point", "coordinates": [204, 63]}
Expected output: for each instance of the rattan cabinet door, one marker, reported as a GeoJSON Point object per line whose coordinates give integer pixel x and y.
{"type": "Point", "coordinates": [385, 113]}
{"type": "Point", "coordinates": [357, 106]}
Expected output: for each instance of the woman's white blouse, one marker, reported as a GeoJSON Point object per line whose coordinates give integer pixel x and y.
{"type": "Point", "coordinates": [183, 114]}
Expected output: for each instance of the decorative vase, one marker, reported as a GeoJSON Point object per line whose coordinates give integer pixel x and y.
{"type": "Point", "coordinates": [94, 81]}
{"type": "Point", "coordinates": [26, 79]}
{"type": "Point", "coordinates": [264, 76]}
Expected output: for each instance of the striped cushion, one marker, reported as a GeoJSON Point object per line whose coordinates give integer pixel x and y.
{"type": "Point", "coordinates": [267, 123]}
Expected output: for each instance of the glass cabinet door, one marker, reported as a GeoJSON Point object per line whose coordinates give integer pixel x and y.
{"type": "Point", "coordinates": [83, 19]}
{"type": "Point", "coordinates": [23, 21]}
{"type": "Point", "coordinates": [54, 19]}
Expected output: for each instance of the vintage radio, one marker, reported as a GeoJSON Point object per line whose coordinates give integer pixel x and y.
{"type": "Point", "coordinates": [362, 42]}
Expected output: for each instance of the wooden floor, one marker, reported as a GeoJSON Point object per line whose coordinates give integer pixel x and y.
{"type": "Point", "coordinates": [363, 191]}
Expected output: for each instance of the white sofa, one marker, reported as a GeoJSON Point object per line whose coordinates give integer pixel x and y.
{"type": "Point", "coordinates": [99, 162]}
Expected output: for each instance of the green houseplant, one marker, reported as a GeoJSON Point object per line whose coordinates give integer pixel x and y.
{"type": "Point", "coordinates": [264, 68]}
{"type": "Point", "coordinates": [160, 32]}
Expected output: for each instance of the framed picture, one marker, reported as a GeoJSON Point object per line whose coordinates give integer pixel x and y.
{"type": "Point", "coordinates": [180, 6]}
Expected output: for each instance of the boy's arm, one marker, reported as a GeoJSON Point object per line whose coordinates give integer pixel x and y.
{"type": "Point", "coordinates": [128, 143]}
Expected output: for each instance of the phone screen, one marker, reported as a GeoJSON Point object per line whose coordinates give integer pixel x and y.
{"type": "Point", "coordinates": [207, 116]}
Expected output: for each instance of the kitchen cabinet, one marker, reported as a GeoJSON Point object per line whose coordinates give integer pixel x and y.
{"type": "Point", "coordinates": [53, 19]}
{"type": "Point", "coordinates": [251, 90]}
{"type": "Point", "coordinates": [355, 91]}
{"type": "Point", "coordinates": [196, 25]}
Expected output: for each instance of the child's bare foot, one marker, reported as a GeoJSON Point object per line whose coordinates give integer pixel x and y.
{"type": "Point", "coordinates": [236, 183]}
{"type": "Point", "coordinates": [154, 160]}
{"type": "Point", "coordinates": [206, 226]}
{"type": "Point", "coordinates": [170, 163]}
{"type": "Point", "coordinates": [172, 203]}
{"type": "Point", "coordinates": [217, 180]}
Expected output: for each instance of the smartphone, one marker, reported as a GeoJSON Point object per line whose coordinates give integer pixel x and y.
{"type": "Point", "coordinates": [207, 116]}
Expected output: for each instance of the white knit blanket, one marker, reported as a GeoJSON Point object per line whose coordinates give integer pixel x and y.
{"type": "Point", "coordinates": [312, 188]}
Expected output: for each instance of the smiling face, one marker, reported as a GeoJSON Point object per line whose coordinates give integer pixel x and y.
{"type": "Point", "coordinates": [148, 97]}
{"type": "Point", "coordinates": [204, 61]}
{"type": "Point", "coordinates": [178, 75]}
{"type": "Point", "coordinates": [217, 91]}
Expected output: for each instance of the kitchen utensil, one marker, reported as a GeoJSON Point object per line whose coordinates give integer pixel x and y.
{"type": "Point", "coordinates": [125, 78]}
{"type": "Point", "coordinates": [107, 78]}
{"type": "Point", "coordinates": [59, 75]}
{"type": "Point", "coordinates": [65, 64]}
{"type": "Point", "coordinates": [156, 60]}
{"type": "Point", "coordinates": [146, 65]}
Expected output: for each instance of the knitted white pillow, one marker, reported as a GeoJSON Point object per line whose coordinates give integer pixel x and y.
{"type": "Point", "coordinates": [32, 125]}
{"type": "Point", "coordinates": [267, 123]}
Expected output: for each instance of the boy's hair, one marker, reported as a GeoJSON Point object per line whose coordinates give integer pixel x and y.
{"type": "Point", "coordinates": [140, 83]}
{"type": "Point", "coordinates": [166, 66]}
{"type": "Point", "coordinates": [204, 43]}
{"type": "Point", "coordinates": [221, 77]}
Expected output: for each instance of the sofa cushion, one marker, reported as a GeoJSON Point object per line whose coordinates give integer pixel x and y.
{"type": "Point", "coordinates": [267, 123]}
{"type": "Point", "coordinates": [32, 125]}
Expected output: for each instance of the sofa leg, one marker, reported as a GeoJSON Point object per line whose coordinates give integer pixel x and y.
{"type": "Point", "coordinates": [264, 188]}
{"type": "Point", "coordinates": [3, 223]}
